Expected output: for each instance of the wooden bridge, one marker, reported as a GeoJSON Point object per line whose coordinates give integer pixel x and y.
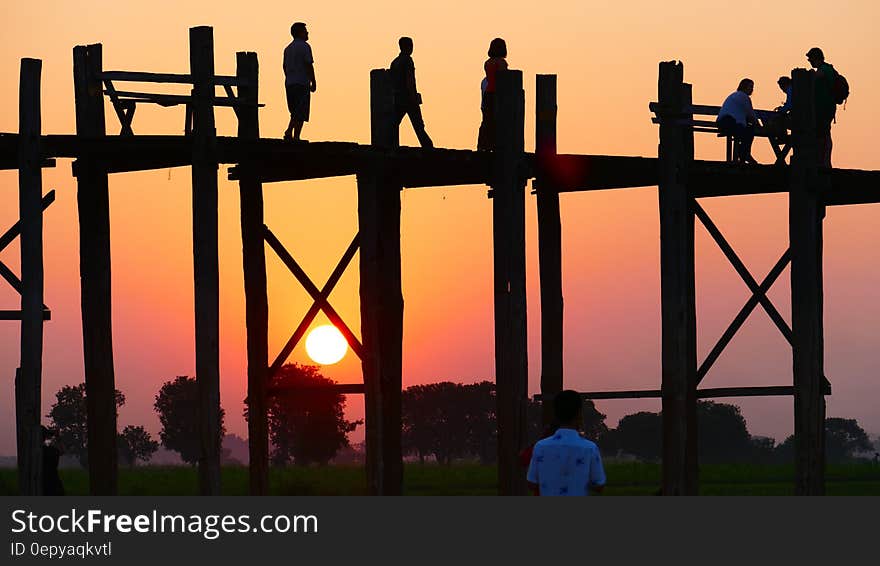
{"type": "Point", "coordinates": [383, 169]}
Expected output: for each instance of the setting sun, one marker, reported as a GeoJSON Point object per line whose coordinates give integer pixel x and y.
{"type": "Point", "coordinates": [326, 345]}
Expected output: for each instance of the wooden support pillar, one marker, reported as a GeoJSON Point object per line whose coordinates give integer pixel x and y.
{"type": "Point", "coordinates": [256, 299]}
{"type": "Point", "coordinates": [508, 227]}
{"type": "Point", "coordinates": [205, 256]}
{"type": "Point", "coordinates": [678, 310]}
{"type": "Point", "coordinates": [381, 299]}
{"type": "Point", "coordinates": [549, 245]}
{"type": "Point", "coordinates": [94, 244]}
{"type": "Point", "coordinates": [806, 211]}
{"type": "Point", "coordinates": [30, 186]}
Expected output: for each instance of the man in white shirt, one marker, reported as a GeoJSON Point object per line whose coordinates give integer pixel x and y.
{"type": "Point", "coordinates": [566, 463]}
{"type": "Point", "coordinates": [737, 118]}
{"type": "Point", "coordinates": [299, 79]}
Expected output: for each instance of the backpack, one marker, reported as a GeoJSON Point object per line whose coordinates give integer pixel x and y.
{"type": "Point", "coordinates": [840, 89]}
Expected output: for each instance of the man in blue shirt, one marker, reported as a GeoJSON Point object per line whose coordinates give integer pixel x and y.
{"type": "Point", "coordinates": [566, 463]}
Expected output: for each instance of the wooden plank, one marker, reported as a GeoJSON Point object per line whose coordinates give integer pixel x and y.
{"type": "Point", "coordinates": [16, 315]}
{"type": "Point", "coordinates": [28, 383]}
{"type": "Point", "coordinates": [677, 291]}
{"type": "Point", "coordinates": [173, 78]}
{"type": "Point", "coordinates": [549, 246]}
{"type": "Point", "coordinates": [806, 212]}
{"type": "Point", "coordinates": [177, 99]}
{"type": "Point", "coordinates": [94, 243]}
{"type": "Point", "coordinates": [205, 257]}
{"type": "Point", "coordinates": [256, 295]}
{"type": "Point", "coordinates": [708, 393]}
{"type": "Point", "coordinates": [508, 235]}
{"type": "Point", "coordinates": [381, 299]}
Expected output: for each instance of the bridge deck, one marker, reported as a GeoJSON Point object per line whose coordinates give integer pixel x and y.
{"type": "Point", "coordinates": [274, 160]}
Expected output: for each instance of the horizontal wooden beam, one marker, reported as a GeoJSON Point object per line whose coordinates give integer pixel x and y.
{"type": "Point", "coordinates": [341, 388]}
{"type": "Point", "coordinates": [16, 315]}
{"type": "Point", "coordinates": [173, 78]}
{"type": "Point", "coordinates": [175, 99]}
{"type": "Point", "coordinates": [713, 393]}
{"type": "Point", "coordinates": [273, 160]}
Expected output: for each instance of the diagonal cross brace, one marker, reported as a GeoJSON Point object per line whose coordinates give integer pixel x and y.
{"type": "Point", "coordinates": [8, 237]}
{"type": "Point", "coordinates": [743, 314]}
{"type": "Point", "coordinates": [319, 296]}
{"type": "Point", "coordinates": [740, 268]}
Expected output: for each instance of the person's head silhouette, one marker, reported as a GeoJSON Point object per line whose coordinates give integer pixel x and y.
{"type": "Point", "coordinates": [567, 408]}
{"type": "Point", "coordinates": [747, 86]}
{"type": "Point", "coordinates": [497, 48]}
{"type": "Point", "coordinates": [815, 57]}
{"type": "Point", "coordinates": [406, 45]}
{"type": "Point", "coordinates": [298, 31]}
{"type": "Point", "coordinates": [784, 82]}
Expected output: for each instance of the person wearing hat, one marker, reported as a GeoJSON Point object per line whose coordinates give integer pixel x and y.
{"type": "Point", "coordinates": [824, 102]}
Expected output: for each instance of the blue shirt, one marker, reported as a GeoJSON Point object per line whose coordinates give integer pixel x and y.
{"type": "Point", "coordinates": [566, 464]}
{"type": "Point", "coordinates": [787, 106]}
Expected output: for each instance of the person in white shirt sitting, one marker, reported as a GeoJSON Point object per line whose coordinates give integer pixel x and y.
{"type": "Point", "coordinates": [566, 463]}
{"type": "Point", "coordinates": [737, 118]}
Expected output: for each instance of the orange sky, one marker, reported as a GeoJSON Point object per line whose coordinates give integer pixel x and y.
{"type": "Point", "coordinates": [606, 56]}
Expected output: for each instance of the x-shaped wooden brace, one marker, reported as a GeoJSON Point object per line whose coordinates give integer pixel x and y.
{"type": "Point", "coordinates": [759, 295]}
{"type": "Point", "coordinates": [7, 274]}
{"type": "Point", "coordinates": [124, 108]}
{"type": "Point", "coordinates": [319, 297]}
{"type": "Point", "coordinates": [759, 292]}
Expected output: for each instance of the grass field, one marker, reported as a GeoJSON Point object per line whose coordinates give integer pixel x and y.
{"type": "Point", "coordinates": [465, 479]}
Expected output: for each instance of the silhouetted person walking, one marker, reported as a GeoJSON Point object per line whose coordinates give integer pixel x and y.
{"type": "Point", "coordinates": [737, 118]}
{"type": "Point", "coordinates": [826, 107]}
{"type": "Point", "coordinates": [566, 463]}
{"type": "Point", "coordinates": [406, 97]}
{"type": "Point", "coordinates": [299, 79]}
{"type": "Point", "coordinates": [497, 61]}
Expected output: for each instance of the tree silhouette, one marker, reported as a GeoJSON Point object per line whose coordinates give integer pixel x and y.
{"type": "Point", "coordinates": [844, 439]}
{"type": "Point", "coordinates": [177, 404]}
{"type": "Point", "coordinates": [136, 444]}
{"type": "Point", "coordinates": [306, 426]}
{"type": "Point", "coordinates": [68, 421]}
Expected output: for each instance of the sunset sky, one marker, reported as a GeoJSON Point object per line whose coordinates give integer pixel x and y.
{"type": "Point", "coordinates": [606, 56]}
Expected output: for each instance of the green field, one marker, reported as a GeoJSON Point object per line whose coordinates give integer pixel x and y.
{"type": "Point", "coordinates": [466, 479]}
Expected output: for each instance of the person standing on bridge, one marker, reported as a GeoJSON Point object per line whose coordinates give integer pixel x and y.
{"type": "Point", "coordinates": [826, 108]}
{"type": "Point", "coordinates": [299, 80]}
{"type": "Point", "coordinates": [737, 118]}
{"type": "Point", "coordinates": [497, 61]}
{"type": "Point", "coordinates": [406, 97]}
{"type": "Point", "coordinates": [566, 463]}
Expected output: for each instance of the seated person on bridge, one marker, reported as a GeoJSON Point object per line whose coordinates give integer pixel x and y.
{"type": "Point", "coordinates": [777, 126]}
{"type": "Point", "coordinates": [737, 118]}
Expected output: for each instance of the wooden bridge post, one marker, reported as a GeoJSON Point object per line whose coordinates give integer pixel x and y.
{"type": "Point", "coordinates": [806, 211]}
{"type": "Point", "coordinates": [679, 358]}
{"type": "Point", "coordinates": [381, 298]}
{"type": "Point", "coordinates": [205, 256]}
{"type": "Point", "coordinates": [30, 186]}
{"type": "Point", "coordinates": [256, 299]}
{"type": "Point", "coordinates": [508, 220]}
{"type": "Point", "coordinates": [94, 243]}
{"type": "Point", "coordinates": [549, 245]}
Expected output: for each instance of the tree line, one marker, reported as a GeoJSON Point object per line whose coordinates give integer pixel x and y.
{"type": "Point", "coordinates": [442, 421]}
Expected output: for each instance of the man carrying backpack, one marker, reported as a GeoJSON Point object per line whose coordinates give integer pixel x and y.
{"type": "Point", "coordinates": [826, 101]}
